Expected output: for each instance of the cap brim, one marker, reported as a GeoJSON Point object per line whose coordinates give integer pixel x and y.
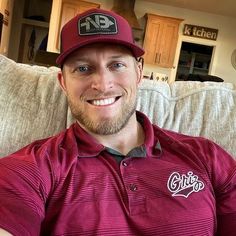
{"type": "Point", "coordinates": [135, 49]}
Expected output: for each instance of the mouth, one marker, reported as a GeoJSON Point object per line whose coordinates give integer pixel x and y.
{"type": "Point", "coordinates": [104, 101]}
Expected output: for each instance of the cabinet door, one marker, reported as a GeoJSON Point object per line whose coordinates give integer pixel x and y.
{"type": "Point", "coordinates": [70, 9]}
{"type": "Point", "coordinates": [152, 45]}
{"type": "Point", "coordinates": [161, 40]}
{"type": "Point", "coordinates": [168, 44]}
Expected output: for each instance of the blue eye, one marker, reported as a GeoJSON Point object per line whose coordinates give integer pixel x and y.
{"type": "Point", "coordinates": [82, 68]}
{"type": "Point", "coordinates": [117, 65]}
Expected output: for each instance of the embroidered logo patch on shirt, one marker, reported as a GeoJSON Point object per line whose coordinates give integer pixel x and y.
{"type": "Point", "coordinates": [96, 23]}
{"type": "Point", "coordinates": [183, 185]}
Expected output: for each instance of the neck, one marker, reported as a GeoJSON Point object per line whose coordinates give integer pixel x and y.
{"type": "Point", "coordinates": [132, 135]}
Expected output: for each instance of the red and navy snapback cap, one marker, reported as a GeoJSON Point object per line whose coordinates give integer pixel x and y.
{"type": "Point", "coordinates": [94, 26]}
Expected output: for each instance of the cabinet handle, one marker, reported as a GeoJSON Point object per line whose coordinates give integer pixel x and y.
{"type": "Point", "coordinates": [159, 58]}
{"type": "Point", "coordinates": [156, 57]}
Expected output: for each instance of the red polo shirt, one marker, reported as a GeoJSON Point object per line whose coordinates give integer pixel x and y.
{"type": "Point", "coordinates": [70, 185]}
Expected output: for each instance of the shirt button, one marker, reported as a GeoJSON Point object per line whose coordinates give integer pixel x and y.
{"type": "Point", "coordinates": [133, 187]}
{"type": "Point", "coordinates": [124, 163]}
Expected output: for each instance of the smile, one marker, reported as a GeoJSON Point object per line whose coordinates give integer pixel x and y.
{"type": "Point", "coordinates": [103, 102]}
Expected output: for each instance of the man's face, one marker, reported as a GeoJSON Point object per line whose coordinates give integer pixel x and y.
{"type": "Point", "coordinates": [100, 82]}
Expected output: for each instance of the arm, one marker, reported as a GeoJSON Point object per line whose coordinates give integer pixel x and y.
{"type": "Point", "coordinates": [224, 182]}
{"type": "Point", "coordinates": [4, 233]}
{"type": "Point", "coordinates": [22, 193]}
{"type": "Point", "coordinates": [226, 207]}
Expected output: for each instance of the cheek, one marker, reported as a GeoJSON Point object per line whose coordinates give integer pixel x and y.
{"type": "Point", "coordinates": [130, 87]}
{"type": "Point", "coordinates": [133, 81]}
{"type": "Point", "coordinates": [130, 78]}
{"type": "Point", "coordinates": [75, 89]}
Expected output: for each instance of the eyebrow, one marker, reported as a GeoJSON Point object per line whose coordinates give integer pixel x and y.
{"type": "Point", "coordinates": [110, 57]}
{"type": "Point", "coordinates": [89, 59]}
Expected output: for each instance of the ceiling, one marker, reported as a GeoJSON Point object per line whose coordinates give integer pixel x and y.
{"type": "Point", "coordinates": [225, 7]}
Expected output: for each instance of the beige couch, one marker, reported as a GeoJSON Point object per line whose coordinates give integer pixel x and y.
{"type": "Point", "coordinates": [32, 107]}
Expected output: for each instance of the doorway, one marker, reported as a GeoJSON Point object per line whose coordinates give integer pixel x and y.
{"type": "Point", "coordinates": [194, 59]}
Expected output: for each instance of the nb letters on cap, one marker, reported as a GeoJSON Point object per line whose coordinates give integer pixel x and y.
{"type": "Point", "coordinates": [97, 24]}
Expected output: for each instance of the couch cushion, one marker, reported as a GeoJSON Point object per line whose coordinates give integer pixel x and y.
{"type": "Point", "coordinates": [205, 109]}
{"type": "Point", "coordinates": [31, 104]}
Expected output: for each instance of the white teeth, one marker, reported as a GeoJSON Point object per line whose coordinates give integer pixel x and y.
{"type": "Point", "coordinates": [103, 102]}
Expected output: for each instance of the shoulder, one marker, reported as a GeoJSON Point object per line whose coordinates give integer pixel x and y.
{"type": "Point", "coordinates": [204, 153]}
{"type": "Point", "coordinates": [42, 162]}
{"type": "Point", "coordinates": [189, 141]}
{"type": "Point", "coordinates": [44, 147]}
{"type": "Point", "coordinates": [45, 153]}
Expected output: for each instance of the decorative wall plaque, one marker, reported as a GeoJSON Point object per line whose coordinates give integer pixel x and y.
{"type": "Point", "coordinates": [200, 32]}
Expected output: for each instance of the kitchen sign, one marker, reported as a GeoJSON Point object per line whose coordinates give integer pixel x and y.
{"type": "Point", "coordinates": [200, 32]}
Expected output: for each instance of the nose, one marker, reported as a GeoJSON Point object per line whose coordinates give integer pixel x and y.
{"type": "Point", "coordinates": [102, 80]}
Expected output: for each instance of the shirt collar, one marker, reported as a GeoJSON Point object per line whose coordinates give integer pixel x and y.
{"type": "Point", "coordinates": [151, 142]}
{"type": "Point", "coordinates": [88, 146]}
{"type": "Point", "coordinates": [135, 152]}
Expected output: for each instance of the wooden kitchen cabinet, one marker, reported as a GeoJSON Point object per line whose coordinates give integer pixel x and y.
{"type": "Point", "coordinates": [71, 8]}
{"type": "Point", "coordinates": [62, 12]}
{"type": "Point", "coordinates": [160, 40]}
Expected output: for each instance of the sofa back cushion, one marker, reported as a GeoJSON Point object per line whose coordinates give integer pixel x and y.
{"type": "Point", "coordinates": [206, 109]}
{"type": "Point", "coordinates": [32, 105]}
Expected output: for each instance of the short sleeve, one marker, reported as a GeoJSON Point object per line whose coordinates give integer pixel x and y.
{"type": "Point", "coordinates": [23, 192]}
{"type": "Point", "coordinates": [223, 174]}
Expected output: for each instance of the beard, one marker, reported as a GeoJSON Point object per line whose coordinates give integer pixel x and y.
{"type": "Point", "coordinates": [107, 126]}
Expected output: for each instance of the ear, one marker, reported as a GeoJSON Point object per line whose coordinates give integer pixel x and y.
{"type": "Point", "coordinates": [62, 82]}
{"type": "Point", "coordinates": [140, 70]}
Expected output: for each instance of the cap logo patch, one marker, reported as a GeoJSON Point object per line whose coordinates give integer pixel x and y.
{"type": "Point", "coordinates": [97, 24]}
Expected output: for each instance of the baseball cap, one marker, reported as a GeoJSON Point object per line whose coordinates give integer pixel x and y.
{"type": "Point", "coordinates": [94, 26]}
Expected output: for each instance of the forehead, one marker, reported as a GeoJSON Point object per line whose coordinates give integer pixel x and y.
{"type": "Point", "coordinates": [100, 48]}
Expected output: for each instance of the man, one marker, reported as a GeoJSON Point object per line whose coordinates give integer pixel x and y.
{"type": "Point", "coordinates": [113, 172]}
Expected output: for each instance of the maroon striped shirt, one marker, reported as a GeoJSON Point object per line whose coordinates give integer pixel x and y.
{"type": "Point", "coordinates": [70, 185]}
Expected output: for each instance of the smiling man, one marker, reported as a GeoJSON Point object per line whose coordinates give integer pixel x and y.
{"type": "Point", "coordinates": [100, 81]}
{"type": "Point", "coordinates": [113, 172]}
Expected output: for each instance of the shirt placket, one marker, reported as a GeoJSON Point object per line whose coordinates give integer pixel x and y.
{"type": "Point", "coordinates": [136, 199]}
